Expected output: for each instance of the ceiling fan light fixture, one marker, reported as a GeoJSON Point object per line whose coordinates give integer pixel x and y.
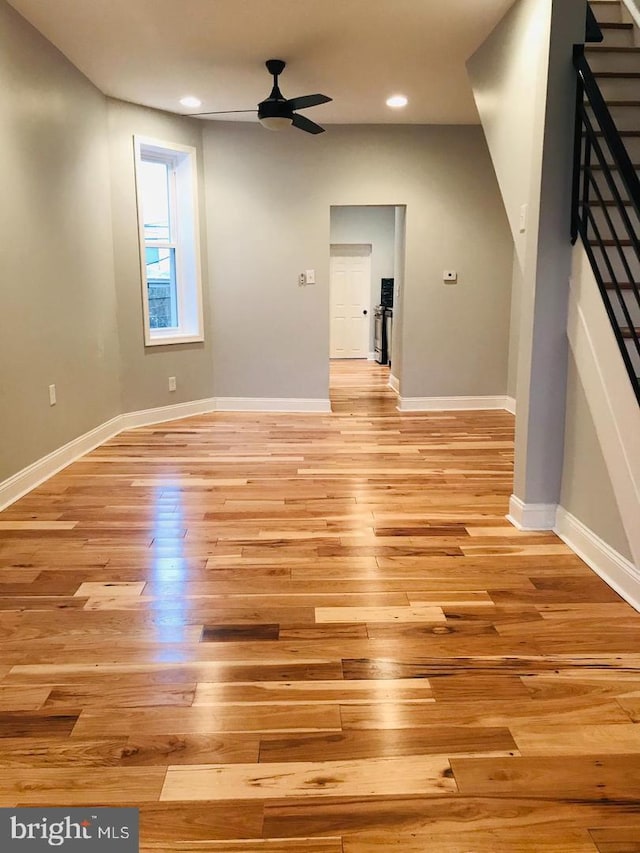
{"type": "Point", "coordinates": [276, 122]}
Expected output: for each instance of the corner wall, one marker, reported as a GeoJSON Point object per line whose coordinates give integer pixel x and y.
{"type": "Point", "coordinates": [524, 84]}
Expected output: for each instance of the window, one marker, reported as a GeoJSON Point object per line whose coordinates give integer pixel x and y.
{"type": "Point", "coordinates": [169, 246]}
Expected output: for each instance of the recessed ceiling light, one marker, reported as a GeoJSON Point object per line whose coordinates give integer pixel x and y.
{"type": "Point", "coordinates": [397, 101]}
{"type": "Point", "coordinates": [191, 102]}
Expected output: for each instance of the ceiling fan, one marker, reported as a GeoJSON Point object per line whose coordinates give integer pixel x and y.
{"type": "Point", "coordinates": [276, 112]}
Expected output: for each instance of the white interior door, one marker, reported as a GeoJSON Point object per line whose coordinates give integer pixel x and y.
{"type": "Point", "coordinates": [350, 286]}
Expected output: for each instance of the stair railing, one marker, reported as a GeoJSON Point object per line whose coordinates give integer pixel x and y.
{"type": "Point", "coordinates": [613, 245]}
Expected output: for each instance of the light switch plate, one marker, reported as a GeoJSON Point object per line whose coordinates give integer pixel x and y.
{"type": "Point", "coordinates": [310, 276]}
{"type": "Point", "coordinates": [523, 217]}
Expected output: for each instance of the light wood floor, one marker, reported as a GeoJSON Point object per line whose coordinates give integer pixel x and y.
{"type": "Point", "coordinates": [315, 634]}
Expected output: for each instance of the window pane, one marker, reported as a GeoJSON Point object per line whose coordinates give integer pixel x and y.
{"type": "Point", "coordinates": [154, 189]}
{"type": "Point", "coordinates": [161, 288]}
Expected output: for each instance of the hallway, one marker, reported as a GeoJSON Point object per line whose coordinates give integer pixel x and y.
{"type": "Point", "coordinates": [318, 629]}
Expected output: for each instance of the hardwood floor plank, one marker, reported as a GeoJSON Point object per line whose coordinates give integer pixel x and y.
{"type": "Point", "coordinates": [76, 786]}
{"type": "Point", "coordinates": [534, 740]}
{"type": "Point", "coordinates": [260, 845]}
{"type": "Point", "coordinates": [204, 720]}
{"type": "Point", "coordinates": [585, 777]}
{"type": "Point", "coordinates": [493, 841]}
{"type": "Point", "coordinates": [315, 692]}
{"type": "Point", "coordinates": [351, 745]}
{"type": "Point", "coordinates": [623, 839]}
{"type": "Point", "coordinates": [364, 777]}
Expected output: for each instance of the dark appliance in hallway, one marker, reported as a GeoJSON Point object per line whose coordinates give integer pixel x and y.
{"type": "Point", "coordinates": [379, 336]}
{"type": "Point", "coordinates": [383, 320]}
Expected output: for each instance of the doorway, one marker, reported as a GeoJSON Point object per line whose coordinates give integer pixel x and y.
{"type": "Point", "coordinates": [363, 252]}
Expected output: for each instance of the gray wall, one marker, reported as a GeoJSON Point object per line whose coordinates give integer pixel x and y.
{"type": "Point", "coordinates": [587, 492]}
{"type": "Point", "coordinates": [529, 128]}
{"type": "Point", "coordinates": [146, 370]}
{"type": "Point", "coordinates": [58, 317]}
{"type": "Point", "coordinates": [373, 225]}
{"type": "Point", "coordinates": [268, 207]}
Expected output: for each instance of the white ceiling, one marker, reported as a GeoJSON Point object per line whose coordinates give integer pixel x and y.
{"type": "Point", "coordinates": [153, 52]}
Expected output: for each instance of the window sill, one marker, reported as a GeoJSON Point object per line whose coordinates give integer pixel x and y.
{"type": "Point", "coordinates": [161, 341]}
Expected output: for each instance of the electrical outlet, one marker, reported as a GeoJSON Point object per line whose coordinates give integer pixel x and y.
{"type": "Point", "coordinates": [172, 383]}
{"type": "Point", "coordinates": [52, 395]}
{"type": "Point", "coordinates": [302, 280]}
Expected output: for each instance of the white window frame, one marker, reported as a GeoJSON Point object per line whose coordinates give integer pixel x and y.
{"type": "Point", "coordinates": [184, 238]}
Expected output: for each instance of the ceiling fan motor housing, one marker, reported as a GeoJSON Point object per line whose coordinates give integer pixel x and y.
{"type": "Point", "coordinates": [274, 108]}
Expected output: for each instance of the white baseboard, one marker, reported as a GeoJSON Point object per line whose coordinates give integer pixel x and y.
{"type": "Point", "coordinates": [147, 417]}
{"type": "Point", "coordinates": [449, 404]}
{"type": "Point", "coordinates": [510, 404]}
{"type": "Point", "coordinates": [371, 356]}
{"type": "Point", "coordinates": [531, 516]}
{"type": "Point", "coordinates": [33, 475]}
{"type": "Point", "coordinates": [271, 404]}
{"type": "Point", "coordinates": [394, 383]}
{"type": "Point", "coordinates": [611, 566]}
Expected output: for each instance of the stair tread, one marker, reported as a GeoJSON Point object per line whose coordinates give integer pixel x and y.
{"type": "Point", "coordinates": [615, 75]}
{"type": "Point", "coordinates": [603, 48]}
{"type": "Point", "coordinates": [621, 285]}
{"type": "Point", "coordinates": [632, 134]}
{"type": "Point", "coordinates": [621, 103]}
{"type": "Point", "coordinates": [614, 25]}
{"type": "Point", "coordinates": [626, 331]}
{"type": "Point", "coordinates": [612, 167]}
{"type": "Point", "coordinates": [615, 243]}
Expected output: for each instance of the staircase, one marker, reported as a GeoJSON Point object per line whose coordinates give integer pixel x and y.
{"type": "Point", "coordinates": [607, 214]}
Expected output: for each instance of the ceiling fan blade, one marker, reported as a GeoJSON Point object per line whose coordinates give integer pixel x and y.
{"type": "Point", "coordinates": [303, 123]}
{"type": "Point", "coordinates": [220, 113]}
{"type": "Point", "coordinates": [305, 101]}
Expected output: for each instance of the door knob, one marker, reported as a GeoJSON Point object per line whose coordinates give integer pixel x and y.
{"type": "Point", "coordinates": [365, 312]}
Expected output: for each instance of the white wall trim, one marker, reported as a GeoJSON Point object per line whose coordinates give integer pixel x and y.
{"type": "Point", "coordinates": [394, 383]}
{"type": "Point", "coordinates": [371, 356]}
{"type": "Point", "coordinates": [531, 516]}
{"type": "Point", "coordinates": [271, 404]}
{"type": "Point", "coordinates": [611, 566]}
{"type": "Point", "coordinates": [146, 417]}
{"type": "Point", "coordinates": [33, 475]}
{"type": "Point", "coordinates": [447, 404]}
{"type": "Point", "coordinates": [22, 482]}
{"type": "Point", "coordinates": [510, 404]}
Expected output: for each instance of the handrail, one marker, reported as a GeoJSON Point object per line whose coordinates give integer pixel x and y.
{"type": "Point", "coordinates": [608, 127]}
{"type": "Point", "coordinates": [610, 229]}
